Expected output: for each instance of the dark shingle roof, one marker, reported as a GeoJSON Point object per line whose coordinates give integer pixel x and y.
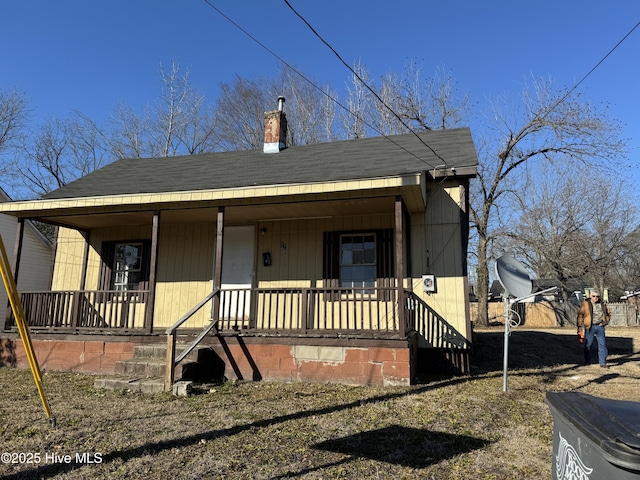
{"type": "Point", "coordinates": [325, 162]}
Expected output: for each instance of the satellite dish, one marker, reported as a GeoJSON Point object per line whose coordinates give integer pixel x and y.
{"type": "Point", "coordinates": [513, 276]}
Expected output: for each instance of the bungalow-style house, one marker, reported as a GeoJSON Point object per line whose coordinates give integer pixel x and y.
{"type": "Point", "coordinates": [36, 252]}
{"type": "Point", "coordinates": [341, 262]}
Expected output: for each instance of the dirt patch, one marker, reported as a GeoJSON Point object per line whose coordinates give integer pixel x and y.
{"type": "Point", "coordinates": [444, 428]}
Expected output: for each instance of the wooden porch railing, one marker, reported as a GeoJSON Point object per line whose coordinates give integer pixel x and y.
{"type": "Point", "coordinates": [307, 311]}
{"type": "Point", "coordinates": [85, 309]}
{"type": "Point", "coordinates": [363, 311]}
{"type": "Point", "coordinates": [302, 311]}
{"type": "Point", "coordinates": [356, 312]}
{"type": "Point", "coordinates": [434, 329]}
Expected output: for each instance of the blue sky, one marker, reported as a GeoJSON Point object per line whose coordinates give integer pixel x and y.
{"type": "Point", "coordinates": [83, 55]}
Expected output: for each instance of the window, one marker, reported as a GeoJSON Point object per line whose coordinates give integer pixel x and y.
{"type": "Point", "coordinates": [127, 266]}
{"type": "Point", "coordinates": [358, 260]}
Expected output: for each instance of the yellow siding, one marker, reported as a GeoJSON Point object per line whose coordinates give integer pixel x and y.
{"type": "Point", "coordinates": [283, 311]}
{"type": "Point", "coordinates": [67, 273]}
{"type": "Point", "coordinates": [185, 273]}
{"type": "Point", "coordinates": [437, 249]}
{"type": "Point", "coordinates": [35, 260]}
{"type": "Point", "coordinates": [98, 236]}
{"type": "Point", "coordinates": [186, 257]}
{"type": "Point", "coordinates": [140, 200]}
{"type": "Point", "coordinates": [296, 247]}
{"type": "Point", "coordinates": [185, 266]}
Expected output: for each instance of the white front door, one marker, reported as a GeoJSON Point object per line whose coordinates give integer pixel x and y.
{"type": "Point", "coordinates": [238, 270]}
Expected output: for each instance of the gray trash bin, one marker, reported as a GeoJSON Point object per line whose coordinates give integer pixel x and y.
{"type": "Point", "coordinates": [594, 438]}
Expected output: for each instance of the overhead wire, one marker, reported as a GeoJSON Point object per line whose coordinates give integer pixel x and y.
{"type": "Point", "coordinates": [363, 82]}
{"type": "Point", "coordinates": [445, 164]}
{"type": "Point", "coordinates": [572, 89]}
{"type": "Point", "coordinates": [284, 62]}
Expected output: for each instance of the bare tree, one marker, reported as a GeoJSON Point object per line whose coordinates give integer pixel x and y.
{"type": "Point", "coordinates": [46, 167]}
{"type": "Point", "coordinates": [88, 146]}
{"type": "Point", "coordinates": [549, 126]}
{"type": "Point", "coordinates": [432, 103]}
{"type": "Point", "coordinates": [628, 270]}
{"type": "Point", "coordinates": [167, 118]}
{"type": "Point", "coordinates": [309, 117]}
{"type": "Point", "coordinates": [240, 113]}
{"type": "Point", "coordinates": [199, 131]}
{"type": "Point", "coordinates": [127, 133]}
{"type": "Point", "coordinates": [391, 94]}
{"type": "Point", "coordinates": [61, 151]}
{"type": "Point", "coordinates": [359, 104]}
{"type": "Point", "coordinates": [14, 110]}
{"type": "Point", "coordinates": [14, 113]}
{"type": "Point", "coordinates": [573, 223]}
{"type": "Point", "coordinates": [180, 122]}
{"type": "Point", "coordinates": [404, 103]}
{"type": "Point", "coordinates": [610, 233]}
{"type": "Point", "coordinates": [241, 106]}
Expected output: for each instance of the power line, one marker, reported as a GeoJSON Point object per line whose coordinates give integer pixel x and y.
{"type": "Point", "coordinates": [284, 62]}
{"type": "Point", "coordinates": [362, 81]}
{"type": "Point", "coordinates": [572, 89]}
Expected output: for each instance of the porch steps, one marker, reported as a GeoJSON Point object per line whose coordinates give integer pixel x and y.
{"type": "Point", "coordinates": [136, 384]}
{"type": "Point", "coordinates": [145, 372]}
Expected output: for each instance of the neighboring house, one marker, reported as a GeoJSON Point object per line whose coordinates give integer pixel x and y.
{"type": "Point", "coordinates": [301, 263]}
{"type": "Point", "coordinates": [37, 256]}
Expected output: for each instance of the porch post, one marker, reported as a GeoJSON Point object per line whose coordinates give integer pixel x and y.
{"type": "Point", "coordinates": [153, 268]}
{"type": "Point", "coordinates": [85, 257]}
{"type": "Point", "coordinates": [217, 273]}
{"type": "Point", "coordinates": [399, 244]}
{"type": "Point", "coordinates": [464, 229]}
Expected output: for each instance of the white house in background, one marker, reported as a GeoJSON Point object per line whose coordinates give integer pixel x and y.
{"type": "Point", "coordinates": [36, 260]}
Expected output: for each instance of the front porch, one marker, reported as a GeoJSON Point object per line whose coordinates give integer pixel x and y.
{"type": "Point", "coordinates": [329, 312]}
{"type": "Point", "coordinates": [296, 334]}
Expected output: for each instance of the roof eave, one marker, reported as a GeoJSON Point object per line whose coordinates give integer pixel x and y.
{"type": "Point", "coordinates": [37, 208]}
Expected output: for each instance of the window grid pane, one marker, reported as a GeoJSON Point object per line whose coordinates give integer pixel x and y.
{"type": "Point", "coordinates": [358, 261]}
{"type": "Point", "coordinates": [127, 266]}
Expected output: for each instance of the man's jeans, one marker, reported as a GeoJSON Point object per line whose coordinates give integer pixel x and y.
{"type": "Point", "coordinates": [596, 331]}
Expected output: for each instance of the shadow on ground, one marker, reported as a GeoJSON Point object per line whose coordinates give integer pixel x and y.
{"type": "Point", "coordinates": [409, 447]}
{"type": "Point", "coordinates": [533, 349]}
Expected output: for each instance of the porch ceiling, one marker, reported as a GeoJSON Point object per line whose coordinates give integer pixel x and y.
{"type": "Point", "coordinates": [303, 208]}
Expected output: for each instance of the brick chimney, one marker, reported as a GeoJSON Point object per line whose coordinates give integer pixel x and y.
{"type": "Point", "coordinates": [275, 129]}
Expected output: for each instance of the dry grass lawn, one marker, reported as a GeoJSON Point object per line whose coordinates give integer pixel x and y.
{"type": "Point", "coordinates": [442, 428]}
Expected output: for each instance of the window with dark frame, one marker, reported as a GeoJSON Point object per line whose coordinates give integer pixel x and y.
{"type": "Point", "coordinates": [127, 266]}
{"type": "Point", "coordinates": [358, 261]}
{"type": "Point", "coordinates": [339, 250]}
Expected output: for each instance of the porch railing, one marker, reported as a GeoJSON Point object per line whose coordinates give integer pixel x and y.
{"type": "Point", "coordinates": [359, 311]}
{"type": "Point", "coordinates": [85, 309]}
{"type": "Point", "coordinates": [432, 329]}
{"type": "Point", "coordinates": [303, 311]}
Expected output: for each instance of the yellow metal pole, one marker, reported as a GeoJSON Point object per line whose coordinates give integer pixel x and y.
{"type": "Point", "coordinates": [23, 329]}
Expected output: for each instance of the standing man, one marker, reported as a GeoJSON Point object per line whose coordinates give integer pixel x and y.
{"type": "Point", "coordinates": [593, 316]}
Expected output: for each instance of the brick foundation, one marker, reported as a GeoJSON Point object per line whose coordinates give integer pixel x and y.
{"type": "Point", "coordinates": [381, 363]}
{"type": "Point", "coordinates": [67, 355]}
{"type": "Point", "coordinates": [361, 365]}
